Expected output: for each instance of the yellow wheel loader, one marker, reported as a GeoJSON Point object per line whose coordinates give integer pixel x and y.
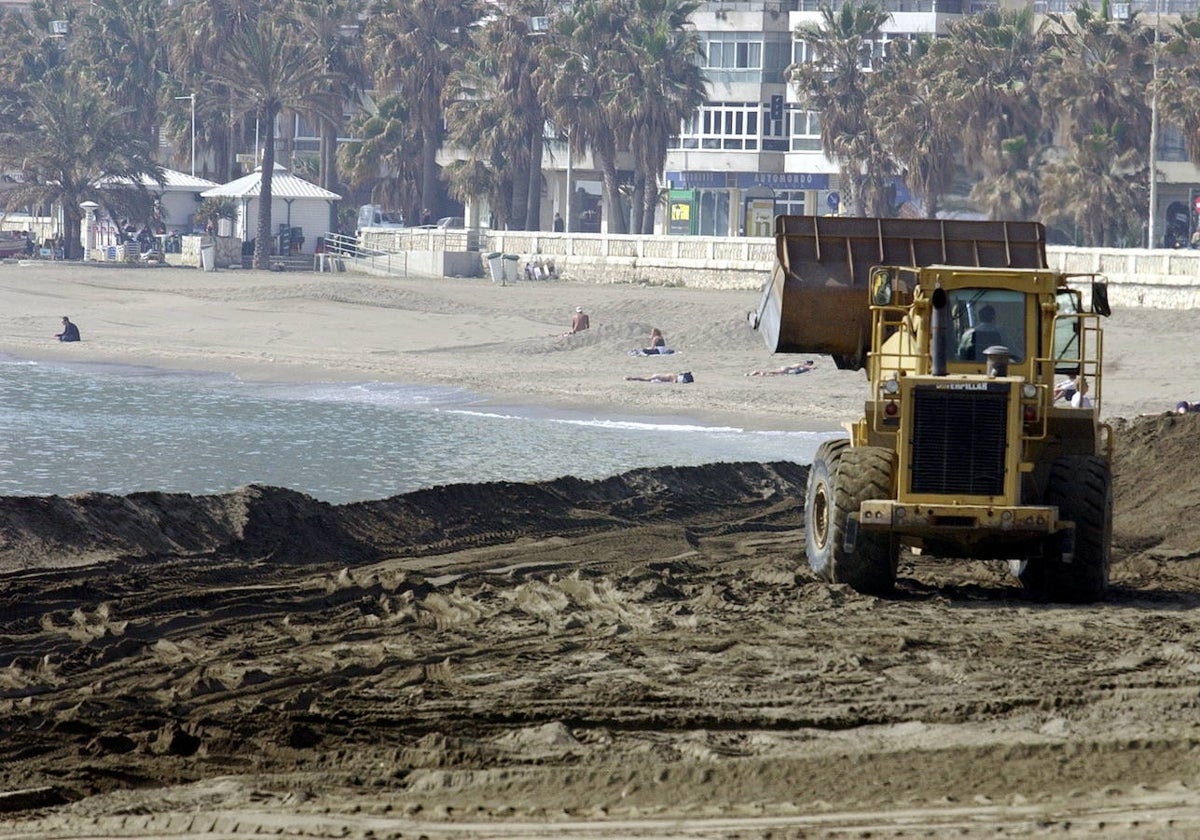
{"type": "Point", "coordinates": [981, 434]}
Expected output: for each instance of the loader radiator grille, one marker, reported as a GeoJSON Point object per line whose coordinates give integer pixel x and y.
{"type": "Point", "coordinates": [958, 441]}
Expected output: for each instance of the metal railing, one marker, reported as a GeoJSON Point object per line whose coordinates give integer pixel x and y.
{"type": "Point", "coordinates": [348, 248]}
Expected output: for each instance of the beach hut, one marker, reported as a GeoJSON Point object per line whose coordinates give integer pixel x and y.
{"type": "Point", "coordinates": [300, 211]}
{"type": "Point", "coordinates": [178, 197]}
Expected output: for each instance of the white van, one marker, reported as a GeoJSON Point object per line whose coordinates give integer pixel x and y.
{"type": "Point", "coordinates": [374, 216]}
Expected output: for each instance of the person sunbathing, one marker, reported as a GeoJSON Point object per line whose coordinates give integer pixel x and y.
{"type": "Point", "coordinates": [786, 370]}
{"type": "Point", "coordinates": [686, 376]}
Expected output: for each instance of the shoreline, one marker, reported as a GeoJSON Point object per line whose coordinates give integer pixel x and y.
{"type": "Point", "coordinates": [503, 343]}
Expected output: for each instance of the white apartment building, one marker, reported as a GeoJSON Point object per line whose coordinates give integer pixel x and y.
{"type": "Point", "coordinates": [751, 152]}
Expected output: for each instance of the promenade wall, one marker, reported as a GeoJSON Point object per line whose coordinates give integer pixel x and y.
{"type": "Point", "coordinates": [1159, 279]}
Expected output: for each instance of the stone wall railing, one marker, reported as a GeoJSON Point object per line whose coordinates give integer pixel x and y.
{"type": "Point", "coordinates": [1159, 279]}
{"type": "Point", "coordinates": [712, 262]}
{"type": "Point", "coordinates": [1156, 279]}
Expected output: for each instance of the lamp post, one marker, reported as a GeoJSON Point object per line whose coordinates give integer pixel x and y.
{"type": "Point", "coordinates": [570, 177]}
{"type": "Point", "coordinates": [192, 98]}
{"type": "Point", "coordinates": [1151, 228]}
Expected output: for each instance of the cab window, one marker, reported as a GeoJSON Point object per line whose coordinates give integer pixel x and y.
{"type": "Point", "coordinates": [983, 318]}
{"type": "Point", "coordinates": [1066, 332]}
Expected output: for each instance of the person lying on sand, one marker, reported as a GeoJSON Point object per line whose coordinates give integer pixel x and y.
{"type": "Point", "coordinates": [1185, 407]}
{"type": "Point", "coordinates": [686, 376]}
{"type": "Point", "coordinates": [799, 367]}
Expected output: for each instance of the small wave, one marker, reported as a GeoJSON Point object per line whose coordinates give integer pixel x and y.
{"type": "Point", "coordinates": [382, 394]}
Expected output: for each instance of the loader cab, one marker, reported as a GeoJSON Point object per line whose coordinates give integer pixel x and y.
{"type": "Point", "coordinates": [986, 317]}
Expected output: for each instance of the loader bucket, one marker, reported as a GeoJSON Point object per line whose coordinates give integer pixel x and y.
{"type": "Point", "coordinates": [817, 300]}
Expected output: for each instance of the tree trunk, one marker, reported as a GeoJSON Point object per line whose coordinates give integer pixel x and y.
{"type": "Point", "coordinates": [650, 196]}
{"type": "Point", "coordinates": [605, 148]}
{"type": "Point", "coordinates": [637, 200]}
{"type": "Point", "coordinates": [329, 175]}
{"type": "Point", "coordinates": [519, 195]}
{"type": "Point", "coordinates": [533, 202]}
{"type": "Point", "coordinates": [429, 150]}
{"type": "Point", "coordinates": [72, 222]}
{"type": "Point", "coordinates": [262, 240]}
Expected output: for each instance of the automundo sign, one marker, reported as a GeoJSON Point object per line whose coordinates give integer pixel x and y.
{"type": "Point", "coordinates": [691, 180]}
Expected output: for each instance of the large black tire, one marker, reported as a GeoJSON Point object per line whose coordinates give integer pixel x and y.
{"type": "Point", "coordinates": [1081, 487]}
{"type": "Point", "coordinates": [840, 480]}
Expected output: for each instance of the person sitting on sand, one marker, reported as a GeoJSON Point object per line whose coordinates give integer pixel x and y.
{"type": "Point", "coordinates": [658, 346]}
{"type": "Point", "coordinates": [786, 370]}
{"type": "Point", "coordinates": [70, 331]}
{"type": "Point", "coordinates": [580, 322]}
{"type": "Point", "coordinates": [686, 376]}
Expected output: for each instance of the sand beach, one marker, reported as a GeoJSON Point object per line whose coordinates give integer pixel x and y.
{"type": "Point", "coordinates": [640, 656]}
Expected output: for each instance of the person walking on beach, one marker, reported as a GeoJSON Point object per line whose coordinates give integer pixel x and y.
{"type": "Point", "coordinates": [70, 331]}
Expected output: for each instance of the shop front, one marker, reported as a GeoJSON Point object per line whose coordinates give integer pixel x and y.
{"type": "Point", "coordinates": [740, 203]}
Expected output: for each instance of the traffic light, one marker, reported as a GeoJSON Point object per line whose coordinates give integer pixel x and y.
{"type": "Point", "coordinates": [777, 106]}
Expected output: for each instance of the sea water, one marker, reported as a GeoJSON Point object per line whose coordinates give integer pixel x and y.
{"type": "Point", "coordinates": [70, 429]}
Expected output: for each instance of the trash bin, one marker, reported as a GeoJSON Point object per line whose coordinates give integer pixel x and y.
{"type": "Point", "coordinates": [208, 256]}
{"type": "Point", "coordinates": [510, 267]}
{"type": "Point", "coordinates": [496, 266]}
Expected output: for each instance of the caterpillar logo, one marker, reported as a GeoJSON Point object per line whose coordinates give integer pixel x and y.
{"type": "Point", "coordinates": [964, 386]}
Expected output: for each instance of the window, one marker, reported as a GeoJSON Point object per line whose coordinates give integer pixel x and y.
{"type": "Point", "coordinates": [806, 131]}
{"type": "Point", "coordinates": [729, 53]}
{"type": "Point", "coordinates": [790, 202]}
{"type": "Point", "coordinates": [723, 125]}
{"type": "Point", "coordinates": [1067, 354]}
{"type": "Point", "coordinates": [982, 318]}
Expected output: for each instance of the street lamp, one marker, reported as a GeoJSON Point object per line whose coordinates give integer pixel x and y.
{"type": "Point", "coordinates": [192, 98]}
{"type": "Point", "coordinates": [1151, 229]}
{"type": "Point", "coordinates": [570, 174]}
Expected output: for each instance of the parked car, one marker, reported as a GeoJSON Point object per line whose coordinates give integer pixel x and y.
{"type": "Point", "coordinates": [374, 216]}
{"type": "Point", "coordinates": [452, 223]}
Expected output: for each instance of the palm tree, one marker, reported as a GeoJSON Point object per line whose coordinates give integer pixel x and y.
{"type": "Point", "coordinates": [665, 85]}
{"type": "Point", "coordinates": [196, 33]}
{"type": "Point", "coordinates": [1179, 81]}
{"type": "Point", "coordinates": [837, 86]}
{"type": "Point", "coordinates": [1098, 189]}
{"type": "Point", "coordinates": [1094, 78]}
{"type": "Point", "coordinates": [333, 25]}
{"type": "Point", "coordinates": [986, 73]}
{"type": "Point", "coordinates": [65, 141]}
{"type": "Point", "coordinates": [122, 48]}
{"type": "Point", "coordinates": [385, 156]}
{"type": "Point", "coordinates": [267, 68]}
{"type": "Point", "coordinates": [908, 105]}
{"type": "Point", "coordinates": [496, 116]}
{"type": "Point", "coordinates": [1012, 189]}
{"type": "Point", "coordinates": [584, 94]}
{"type": "Point", "coordinates": [415, 45]}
